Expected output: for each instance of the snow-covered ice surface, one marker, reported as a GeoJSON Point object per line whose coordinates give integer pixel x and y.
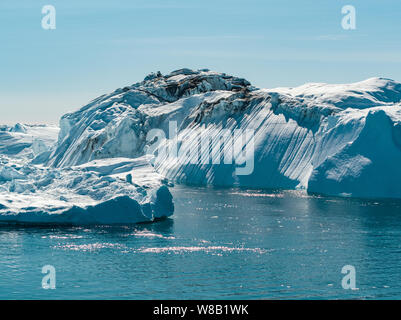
{"type": "Point", "coordinates": [108, 191]}
{"type": "Point", "coordinates": [332, 139]}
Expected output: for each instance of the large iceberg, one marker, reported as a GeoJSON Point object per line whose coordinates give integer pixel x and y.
{"type": "Point", "coordinates": [108, 166]}
{"type": "Point", "coordinates": [324, 138]}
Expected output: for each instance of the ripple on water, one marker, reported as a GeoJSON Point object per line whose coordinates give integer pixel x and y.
{"type": "Point", "coordinates": [200, 249]}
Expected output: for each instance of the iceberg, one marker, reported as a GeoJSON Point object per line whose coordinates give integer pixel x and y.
{"type": "Point", "coordinates": [104, 165]}
{"type": "Point", "coordinates": [109, 191]}
{"type": "Point", "coordinates": [325, 138]}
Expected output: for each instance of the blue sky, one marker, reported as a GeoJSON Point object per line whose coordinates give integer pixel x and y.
{"type": "Point", "coordinates": [99, 46]}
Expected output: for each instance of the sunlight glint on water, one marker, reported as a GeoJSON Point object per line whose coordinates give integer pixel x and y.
{"type": "Point", "coordinates": [220, 244]}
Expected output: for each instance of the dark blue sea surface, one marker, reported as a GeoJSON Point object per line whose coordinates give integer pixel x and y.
{"type": "Point", "coordinates": [220, 244]}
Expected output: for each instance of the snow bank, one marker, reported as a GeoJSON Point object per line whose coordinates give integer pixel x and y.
{"type": "Point", "coordinates": [369, 93]}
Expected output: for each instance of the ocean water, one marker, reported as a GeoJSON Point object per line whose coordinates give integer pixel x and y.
{"type": "Point", "coordinates": [220, 244]}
